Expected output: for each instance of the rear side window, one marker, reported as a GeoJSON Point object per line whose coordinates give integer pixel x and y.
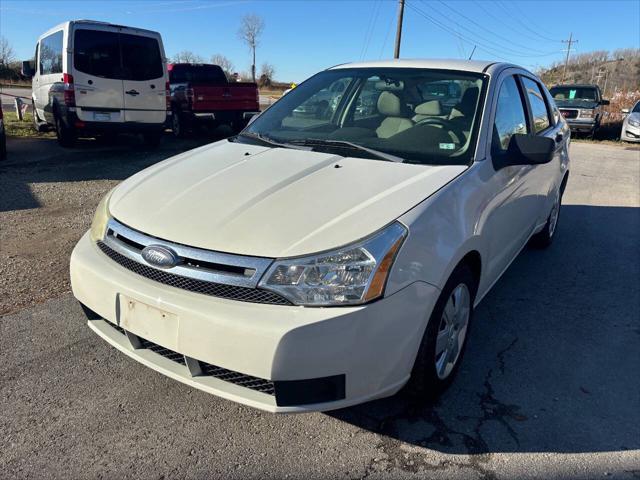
{"type": "Point", "coordinates": [510, 116]}
{"type": "Point", "coordinates": [197, 74]}
{"type": "Point", "coordinates": [97, 53]}
{"type": "Point", "coordinates": [538, 105]}
{"type": "Point", "coordinates": [141, 59]}
{"type": "Point", "coordinates": [51, 54]}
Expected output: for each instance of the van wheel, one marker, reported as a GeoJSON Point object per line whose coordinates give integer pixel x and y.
{"type": "Point", "coordinates": [38, 125]}
{"type": "Point", "coordinates": [152, 139]}
{"type": "Point", "coordinates": [445, 338]}
{"type": "Point", "coordinates": [66, 136]}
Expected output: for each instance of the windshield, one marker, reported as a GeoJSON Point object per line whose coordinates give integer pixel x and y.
{"type": "Point", "coordinates": [636, 108]}
{"type": "Point", "coordinates": [411, 115]}
{"type": "Point", "coordinates": [574, 93]}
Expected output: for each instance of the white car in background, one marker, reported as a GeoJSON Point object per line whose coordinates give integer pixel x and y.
{"type": "Point", "coordinates": [93, 77]}
{"type": "Point", "coordinates": [312, 265]}
{"type": "Point", "coordinates": [631, 124]}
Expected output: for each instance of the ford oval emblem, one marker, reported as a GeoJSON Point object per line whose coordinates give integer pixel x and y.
{"type": "Point", "coordinates": [159, 256]}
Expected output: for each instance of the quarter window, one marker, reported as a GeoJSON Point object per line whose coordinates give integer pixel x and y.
{"type": "Point", "coordinates": [51, 54]}
{"type": "Point", "coordinates": [510, 116]}
{"type": "Point", "coordinates": [539, 109]}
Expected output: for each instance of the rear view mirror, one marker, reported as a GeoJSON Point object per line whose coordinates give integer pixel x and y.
{"type": "Point", "coordinates": [526, 150]}
{"type": "Point", "coordinates": [27, 69]}
{"type": "Point", "coordinates": [605, 102]}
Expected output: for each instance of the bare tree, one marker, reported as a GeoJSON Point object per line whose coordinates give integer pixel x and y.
{"type": "Point", "coordinates": [7, 54]}
{"type": "Point", "coordinates": [224, 63]}
{"type": "Point", "coordinates": [187, 56]}
{"type": "Point", "coordinates": [267, 72]}
{"type": "Point", "coordinates": [249, 32]}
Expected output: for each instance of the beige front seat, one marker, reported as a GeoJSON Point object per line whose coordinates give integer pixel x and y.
{"type": "Point", "coordinates": [432, 108]}
{"type": "Point", "coordinates": [389, 105]}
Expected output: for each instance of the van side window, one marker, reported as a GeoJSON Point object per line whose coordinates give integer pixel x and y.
{"type": "Point", "coordinates": [539, 109]}
{"type": "Point", "coordinates": [510, 116]}
{"type": "Point", "coordinates": [51, 54]}
{"type": "Point", "coordinates": [97, 53]}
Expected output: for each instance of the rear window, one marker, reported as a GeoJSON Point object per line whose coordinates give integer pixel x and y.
{"type": "Point", "coordinates": [114, 55]}
{"type": "Point", "coordinates": [141, 57]}
{"type": "Point", "coordinates": [197, 74]}
{"type": "Point", "coordinates": [97, 53]}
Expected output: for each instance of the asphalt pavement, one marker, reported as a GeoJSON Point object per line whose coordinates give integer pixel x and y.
{"type": "Point", "coordinates": [549, 386]}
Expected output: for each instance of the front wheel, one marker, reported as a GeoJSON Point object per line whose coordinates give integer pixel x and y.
{"type": "Point", "coordinates": [445, 338]}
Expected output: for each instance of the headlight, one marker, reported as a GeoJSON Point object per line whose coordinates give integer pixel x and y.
{"type": "Point", "coordinates": [100, 219]}
{"type": "Point", "coordinates": [350, 275]}
{"type": "Point", "coordinates": [587, 113]}
{"type": "Point", "coordinates": [635, 123]}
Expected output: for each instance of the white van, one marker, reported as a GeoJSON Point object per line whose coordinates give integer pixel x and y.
{"type": "Point", "coordinates": [92, 77]}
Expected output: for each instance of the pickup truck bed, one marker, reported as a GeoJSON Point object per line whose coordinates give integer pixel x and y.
{"type": "Point", "coordinates": [201, 92]}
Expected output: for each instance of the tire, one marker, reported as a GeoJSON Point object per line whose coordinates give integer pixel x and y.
{"type": "Point", "coordinates": [178, 125]}
{"type": "Point", "coordinates": [544, 238]}
{"type": "Point", "coordinates": [152, 139]}
{"type": "Point", "coordinates": [66, 136]}
{"type": "Point", "coordinates": [433, 371]}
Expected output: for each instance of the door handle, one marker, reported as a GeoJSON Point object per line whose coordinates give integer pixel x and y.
{"type": "Point", "coordinates": [132, 92]}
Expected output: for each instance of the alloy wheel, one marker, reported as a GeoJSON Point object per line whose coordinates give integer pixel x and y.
{"type": "Point", "coordinates": [452, 330]}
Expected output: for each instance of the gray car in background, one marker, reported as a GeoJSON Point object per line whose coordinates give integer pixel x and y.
{"type": "Point", "coordinates": [631, 125]}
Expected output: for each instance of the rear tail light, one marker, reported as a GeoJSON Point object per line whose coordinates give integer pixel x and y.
{"type": "Point", "coordinates": [167, 95]}
{"type": "Point", "coordinates": [69, 90]}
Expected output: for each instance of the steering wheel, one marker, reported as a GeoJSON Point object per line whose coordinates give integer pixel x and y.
{"type": "Point", "coordinates": [447, 124]}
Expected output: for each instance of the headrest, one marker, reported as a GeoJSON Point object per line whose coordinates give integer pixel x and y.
{"type": "Point", "coordinates": [389, 105]}
{"type": "Point", "coordinates": [432, 107]}
{"type": "Point", "coordinates": [391, 86]}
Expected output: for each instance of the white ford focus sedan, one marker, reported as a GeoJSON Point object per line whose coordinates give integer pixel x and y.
{"type": "Point", "coordinates": [333, 252]}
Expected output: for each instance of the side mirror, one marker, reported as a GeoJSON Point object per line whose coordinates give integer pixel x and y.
{"type": "Point", "coordinates": [27, 69]}
{"type": "Point", "coordinates": [604, 102]}
{"type": "Point", "coordinates": [526, 150]}
{"type": "Point", "coordinates": [625, 110]}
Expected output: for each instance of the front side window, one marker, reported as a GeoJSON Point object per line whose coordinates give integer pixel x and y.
{"type": "Point", "coordinates": [510, 116]}
{"type": "Point", "coordinates": [97, 53]}
{"type": "Point", "coordinates": [377, 109]}
{"type": "Point", "coordinates": [538, 105]}
{"type": "Point", "coordinates": [51, 54]}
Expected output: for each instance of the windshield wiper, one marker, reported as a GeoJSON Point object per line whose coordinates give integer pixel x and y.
{"type": "Point", "coordinates": [312, 142]}
{"type": "Point", "coordinates": [264, 139]}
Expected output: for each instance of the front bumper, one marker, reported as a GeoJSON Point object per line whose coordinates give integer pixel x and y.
{"type": "Point", "coordinates": [372, 346]}
{"type": "Point", "coordinates": [630, 133]}
{"type": "Point", "coordinates": [587, 125]}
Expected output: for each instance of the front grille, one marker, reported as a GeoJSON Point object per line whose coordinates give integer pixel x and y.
{"type": "Point", "coordinates": [232, 292]}
{"type": "Point", "coordinates": [240, 379]}
{"type": "Point", "coordinates": [567, 113]}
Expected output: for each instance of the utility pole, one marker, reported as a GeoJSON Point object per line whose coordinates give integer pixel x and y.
{"type": "Point", "coordinates": [396, 53]}
{"type": "Point", "coordinates": [566, 61]}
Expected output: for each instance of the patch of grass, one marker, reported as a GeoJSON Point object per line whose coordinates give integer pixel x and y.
{"type": "Point", "coordinates": [15, 128]}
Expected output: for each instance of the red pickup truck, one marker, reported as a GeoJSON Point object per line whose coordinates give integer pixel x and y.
{"type": "Point", "coordinates": [202, 93]}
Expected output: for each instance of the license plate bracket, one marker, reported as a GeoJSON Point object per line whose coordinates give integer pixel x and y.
{"type": "Point", "coordinates": [149, 322]}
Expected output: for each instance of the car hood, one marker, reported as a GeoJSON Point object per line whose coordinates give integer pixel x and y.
{"type": "Point", "coordinates": [271, 202]}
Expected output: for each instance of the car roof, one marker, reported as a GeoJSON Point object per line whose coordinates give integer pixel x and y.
{"type": "Point", "coordinates": [577, 85]}
{"type": "Point", "coordinates": [477, 66]}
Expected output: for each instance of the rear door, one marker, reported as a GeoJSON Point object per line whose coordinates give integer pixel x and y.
{"type": "Point", "coordinates": [143, 73]}
{"type": "Point", "coordinates": [96, 74]}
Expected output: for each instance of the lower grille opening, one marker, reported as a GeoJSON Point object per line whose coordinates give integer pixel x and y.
{"type": "Point", "coordinates": [160, 350]}
{"type": "Point", "coordinates": [240, 379]}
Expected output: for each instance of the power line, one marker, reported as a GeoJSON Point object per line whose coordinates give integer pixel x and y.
{"type": "Point", "coordinates": [517, 19]}
{"type": "Point", "coordinates": [370, 28]}
{"type": "Point", "coordinates": [487, 41]}
{"type": "Point", "coordinates": [509, 40]}
{"type": "Point", "coordinates": [386, 36]}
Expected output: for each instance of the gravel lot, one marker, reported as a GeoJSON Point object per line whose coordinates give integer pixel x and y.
{"type": "Point", "coordinates": [548, 388]}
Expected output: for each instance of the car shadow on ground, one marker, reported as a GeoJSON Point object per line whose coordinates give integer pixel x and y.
{"type": "Point", "coordinates": [553, 360]}
{"type": "Point", "coordinates": [42, 160]}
